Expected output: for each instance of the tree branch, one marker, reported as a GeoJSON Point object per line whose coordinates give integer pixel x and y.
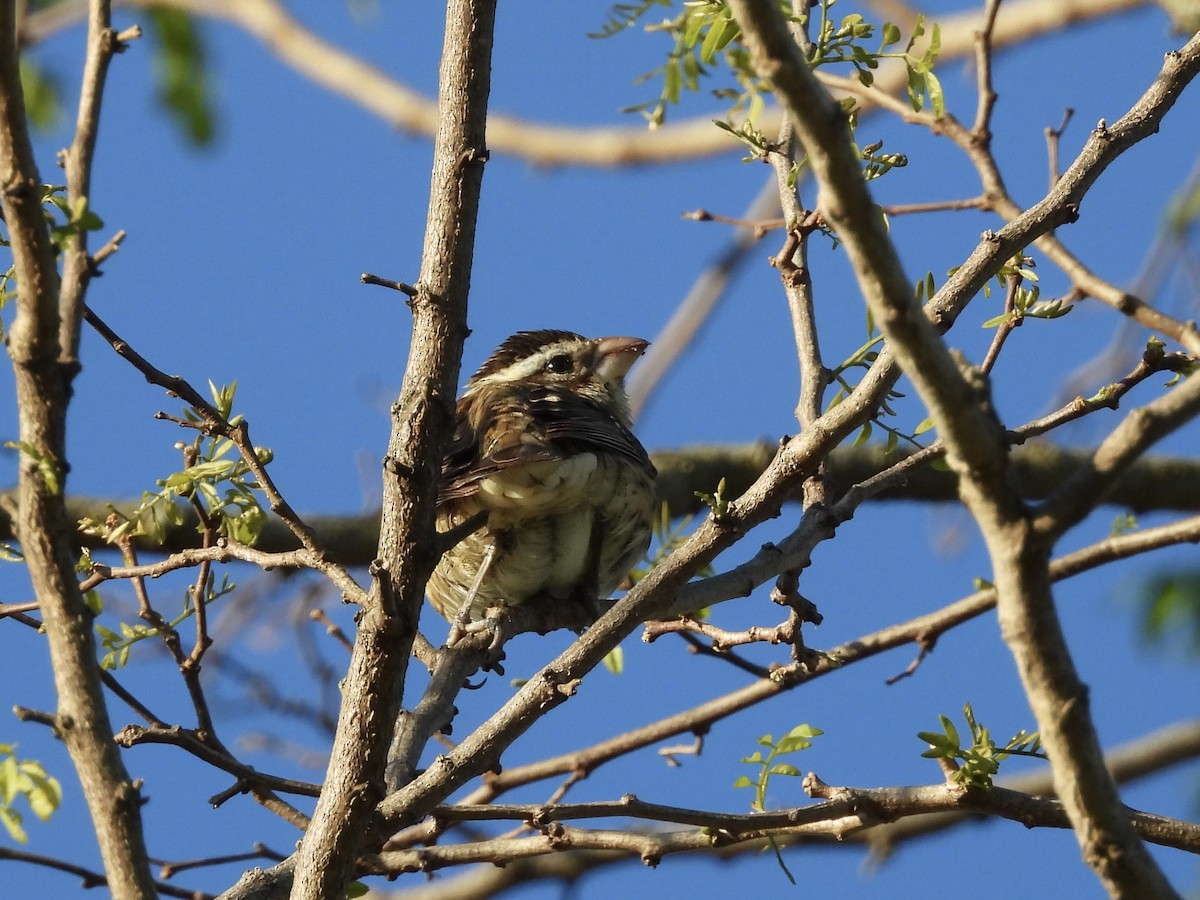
{"type": "Point", "coordinates": [1152, 753]}
{"type": "Point", "coordinates": [550, 144]}
{"type": "Point", "coordinates": [42, 388]}
{"type": "Point", "coordinates": [977, 451]}
{"type": "Point", "coordinates": [1150, 483]}
{"type": "Point", "coordinates": [77, 162]}
{"type": "Point", "coordinates": [421, 422]}
{"type": "Point", "coordinates": [844, 813]}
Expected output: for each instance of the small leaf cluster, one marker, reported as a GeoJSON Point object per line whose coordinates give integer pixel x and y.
{"type": "Point", "coordinates": [25, 778]}
{"type": "Point", "coordinates": [43, 94]}
{"type": "Point", "coordinates": [1017, 271]}
{"type": "Point", "coordinates": [667, 537]}
{"type": "Point", "coordinates": [215, 478]}
{"type": "Point", "coordinates": [715, 501]}
{"type": "Point", "coordinates": [704, 34]}
{"type": "Point", "coordinates": [46, 466]}
{"type": "Point", "coordinates": [863, 358]}
{"type": "Point", "coordinates": [64, 220]}
{"type": "Point", "coordinates": [923, 86]}
{"type": "Point", "coordinates": [877, 163]}
{"type": "Point", "coordinates": [799, 738]}
{"type": "Point", "coordinates": [1171, 609]}
{"type": "Point", "coordinates": [117, 644]}
{"type": "Point", "coordinates": [1124, 523]}
{"type": "Point", "coordinates": [843, 43]}
{"type": "Point", "coordinates": [626, 15]}
{"type": "Point", "coordinates": [180, 68]}
{"type": "Point", "coordinates": [77, 217]}
{"type": "Point", "coordinates": [976, 763]}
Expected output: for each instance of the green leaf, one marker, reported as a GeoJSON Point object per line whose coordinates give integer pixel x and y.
{"type": "Point", "coordinates": [935, 46]}
{"type": "Point", "coordinates": [916, 89]}
{"type": "Point", "coordinates": [43, 96]}
{"type": "Point", "coordinates": [792, 744]}
{"type": "Point", "coordinates": [939, 744]}
{"type": "Point", "coordinates": [626, 15]}
{"type": "Point", "coordinates": [917, 32]}
{"type": "Point", "coordinates": [671, 81]}
{"type": "Point", "coordinates": [182, 73]}
{"type": "Point", "coordinates": [44, 793]}
{"type": "Point", "coordinates": [10, 779]}
{"type": "Point", "coordinates": [950, 730]}
{"type": "Point", "coordinates": [891, 35]}
{"type": "Point", "coordinates": [25, 778]}
{"type": "Point", "coordinates": [783, 769]}
{"type": "Point", "coordinates": [45, 466]}
{"type": "Point", "coordinates": [11, 820]}
{"type": "Point", "coordinates": [696, 21]}
{"type": "Point", "coordinates": [1171, 608]}
{"type": "Point", "coordinates": [937, 99]}
{"type": "Point", "coordinates": [743, 782]}
{"type": "Point", "coordinates": [805, 731]}
{"type": "Point", "coordinates": [614, 660]}
{"type": "Point", "coordinates": [94, 602]}
{"type": "Point", "coordinates": [712, 40]}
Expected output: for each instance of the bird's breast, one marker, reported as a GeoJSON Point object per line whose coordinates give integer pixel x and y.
{"type": "Point", "coordinates": [531, 489]}
{"type": "Point", "coordinates": [564, 528]}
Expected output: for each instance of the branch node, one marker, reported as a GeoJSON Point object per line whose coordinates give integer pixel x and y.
{"type": "Point", "coordinates": [407, 289]}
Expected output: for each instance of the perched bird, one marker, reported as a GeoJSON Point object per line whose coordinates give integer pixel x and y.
{"type": "Point", "coordinates": [542, 446]}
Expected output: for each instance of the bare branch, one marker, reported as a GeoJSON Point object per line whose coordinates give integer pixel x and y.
{"type": "Point", "coordinates": [102, 43]}
{"type": "Point", "coordinates": [42, 391]}
{"type": "Point", "coordinates": [421, 422]}
{"type": "Point", "coordinates": [698, 305]}
{"type": "Point", "coordinates": [967, 424]}
{"type": "Point", "coordinates": [92, 879]}
{"type": "Point", "coordinates": [845, 812]}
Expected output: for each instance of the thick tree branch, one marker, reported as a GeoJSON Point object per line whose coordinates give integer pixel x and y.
{"type": "Point", "coordinates": [977, 451]}
{"type": "Point", "coordinates": [421, 423]}
{"type": "Point", "coordinates": [844, 813]}
{"type": "Point", "coordinates": [42, 526]}
{"type": "Point", "coordinates": [1150, 483]}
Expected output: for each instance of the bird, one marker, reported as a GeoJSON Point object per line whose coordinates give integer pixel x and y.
{"type": "Point", "coordinates": [544, 457]}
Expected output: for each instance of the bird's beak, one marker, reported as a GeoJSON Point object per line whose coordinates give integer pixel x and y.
{"type": "Point", "coordinates": [616, 355]}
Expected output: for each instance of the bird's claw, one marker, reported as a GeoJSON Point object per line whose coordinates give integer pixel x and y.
{"type": "Point", "coordinates": [493, 621]}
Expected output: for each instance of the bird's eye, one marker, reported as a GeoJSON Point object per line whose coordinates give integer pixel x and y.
{"type": "Point", "coordinates": [560, 364]}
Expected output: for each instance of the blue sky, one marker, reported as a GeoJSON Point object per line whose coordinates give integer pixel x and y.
{"type": "Point", "coordinates": [242, 262]}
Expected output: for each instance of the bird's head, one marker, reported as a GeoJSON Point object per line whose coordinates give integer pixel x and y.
{"type": "Point", "coordinates": [589, 367]}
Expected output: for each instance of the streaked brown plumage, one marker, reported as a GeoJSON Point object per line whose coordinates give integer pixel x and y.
{"type": "Point", "coordinates": [543, 445]}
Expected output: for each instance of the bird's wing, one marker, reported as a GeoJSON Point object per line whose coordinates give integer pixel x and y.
{"type": "Point", "coordinates": [530, 426]}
